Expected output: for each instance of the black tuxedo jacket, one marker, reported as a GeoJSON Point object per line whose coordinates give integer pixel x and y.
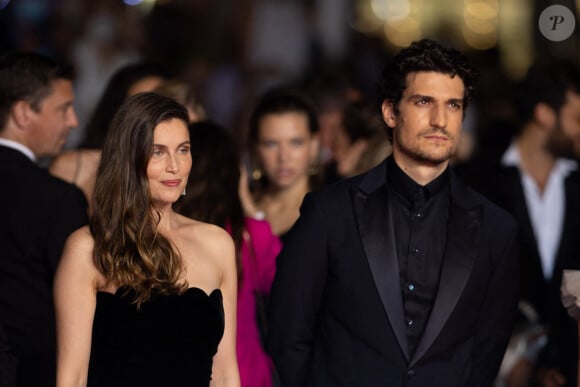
{"type": "Point", "coordinates": [38, 212]}
{"type": "Point", "coordinates": [336, 310]}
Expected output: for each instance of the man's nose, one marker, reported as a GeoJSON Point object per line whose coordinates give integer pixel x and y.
{"type": "Point", "coordinates": [72, 119]}
{"type": "Point", "coordinates": [438, 117]}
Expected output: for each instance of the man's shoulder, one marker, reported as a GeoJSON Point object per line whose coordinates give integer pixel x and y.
{"type": "Point", "coordinates": [574, 176]}
{"type": "Point", "coordinates": [339, 191]}
{"type": "Point", "coordinates": [366, 182]}
{"type": "Point", "coordinates": [493, 214]}
{"type": "Point", "coordinates": [32, 181]}
{"type": "Point", "coordinates": [54, 184]}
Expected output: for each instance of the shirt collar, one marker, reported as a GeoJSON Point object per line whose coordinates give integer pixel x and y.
{"type": "Point", "coordinates": [512, 158]}
{"type": "Point", "coordinates": [407, 187]}
{"type": "Point", "coordinates": [19, 147]}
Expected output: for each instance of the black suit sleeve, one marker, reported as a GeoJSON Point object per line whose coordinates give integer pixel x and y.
{"type": "Point", "coordinates": [497, 315]}
{"type": "Point", "coordinates": [68, 214]}
{"type": "Point", "coordinates": [7, 361]}
{"type": "Point", "coordinates": [297, 296]}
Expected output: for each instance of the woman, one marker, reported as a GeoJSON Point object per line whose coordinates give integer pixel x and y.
{"type": "Point", "coordinates": [212, 196]}
{"type": "Point", "coordinates": [284, 145]}
{"type": "Point", "coordinates": [144, 295]}
{"type": "Point", "coordinates": [80, 166]}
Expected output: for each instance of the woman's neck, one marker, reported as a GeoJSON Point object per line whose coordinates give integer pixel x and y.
{"type": "Point", "coordinates": [288, 195]}
{"type": "Point", "coordinates": [167, 218]}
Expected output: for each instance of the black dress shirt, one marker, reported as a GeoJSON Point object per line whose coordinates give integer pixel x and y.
{"type": "Point", "coordinates": [420, 216]}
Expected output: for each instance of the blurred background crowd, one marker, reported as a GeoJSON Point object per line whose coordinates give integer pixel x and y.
{"type": "Point", "coordinates": [230, 51]}
{"type": "Point", "coordinates": [224, 60]}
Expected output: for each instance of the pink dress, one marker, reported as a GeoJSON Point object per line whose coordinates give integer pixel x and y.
{"type": "Point", "coordinates": [258, 268]}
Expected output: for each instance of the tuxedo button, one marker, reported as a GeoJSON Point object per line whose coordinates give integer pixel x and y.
{"type": "Point", "coordinates": [410, 322]}
{"type": "Point", "coordinates": [415, 250]}
{"type": "Point", "coordinates": [411, 287]}
{"type": "Point", "coordinates": [419, 215]}
{"type": "Point", "coordinates": [411, 373]}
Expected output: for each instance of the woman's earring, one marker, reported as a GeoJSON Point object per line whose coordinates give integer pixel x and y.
{"type": "Point", "coordinates": [183, 193]}
{"type": "Point", "coordinates": [256, 173]}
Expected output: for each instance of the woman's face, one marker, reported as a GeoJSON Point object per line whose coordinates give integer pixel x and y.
{"type": "Point", "coordinates": [170, 162]}
{"type": "Point", "coordinates": [286, 148]}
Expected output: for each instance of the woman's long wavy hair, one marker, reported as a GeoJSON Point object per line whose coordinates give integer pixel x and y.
{"type": "Point", "coordinates": [129, 251]}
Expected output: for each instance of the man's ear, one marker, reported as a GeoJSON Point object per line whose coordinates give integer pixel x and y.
{"type": "Point", "coordinates": [388, 111]}
{"type": "Point", "coordinates": [545, 116]}
{"type": "Point", "coordinates": [21, 113]}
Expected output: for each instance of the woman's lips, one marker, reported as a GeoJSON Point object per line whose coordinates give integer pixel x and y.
{"type": "Point", "coordinates": [171, 183]}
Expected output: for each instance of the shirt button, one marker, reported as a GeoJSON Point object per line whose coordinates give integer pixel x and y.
{"type": "Point", "coordinates": [415, 250]}
{"type": "Point", "coordinates": [419, 214]}
{"type": "Point", "coordinates": [410, 322]}
{"type": "Point", "coordinates": [411, 287]}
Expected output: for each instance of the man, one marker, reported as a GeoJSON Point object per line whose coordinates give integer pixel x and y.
{"type": "Point", "coordinates": [38, 211]}
{"type": "Point", "coordinates": [401, 276]}
{"type": "Point", "coordinates": [538, 182]}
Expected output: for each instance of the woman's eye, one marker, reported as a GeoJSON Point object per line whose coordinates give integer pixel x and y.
{"type": "Point", "coordinates": [269, 144]}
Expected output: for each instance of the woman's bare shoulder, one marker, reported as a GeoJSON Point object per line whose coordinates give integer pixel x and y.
{"type": "Point", "coordinates": [210, 239]}
{"type": "Point", "coordinates": [77, 258]}
{"type": "Point", "coordinates": [204, 232]}
{"type": "Point", "coordinates": [65, 165]}
{"type": "Point", "coordinates": [78, 249]}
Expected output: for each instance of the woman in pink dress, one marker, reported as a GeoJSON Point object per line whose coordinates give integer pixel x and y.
{"type": "Point", "coordinates": [211, 196]}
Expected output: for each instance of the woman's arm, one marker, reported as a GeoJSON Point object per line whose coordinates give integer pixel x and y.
{"type": "Point", "coordinates": [75, 300]}
{"type": "Point", "coordinates": [225, 365]}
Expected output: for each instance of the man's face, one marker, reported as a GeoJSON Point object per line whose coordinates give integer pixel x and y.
{"type": "Point", "coordinates": [427, 125]}
{"type": "Point", "coordinates": [564, 140]}
{"type": "Point", "coordinates": [51, 123]}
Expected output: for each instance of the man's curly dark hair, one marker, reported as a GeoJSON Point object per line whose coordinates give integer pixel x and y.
{"type": "Point", "coordinates": [424, 55]}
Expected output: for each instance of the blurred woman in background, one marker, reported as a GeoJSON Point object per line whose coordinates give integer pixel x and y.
{"type": "Point", "coordinates": [211, 196]}
{"type": "Point", "coordinates": [284, 147]}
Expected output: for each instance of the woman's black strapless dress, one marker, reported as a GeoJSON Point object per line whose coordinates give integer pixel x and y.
{"type": "Point", "coordinates": [169, 341]}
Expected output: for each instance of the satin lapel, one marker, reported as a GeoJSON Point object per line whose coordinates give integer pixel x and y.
{"type": "Point", "coordinates": [377, 235]}
{"type": "Point", "coordinates": [460, 250]}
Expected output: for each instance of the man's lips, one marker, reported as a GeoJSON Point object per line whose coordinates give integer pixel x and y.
{"type": "Point", "coordinates": [436, 137]}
